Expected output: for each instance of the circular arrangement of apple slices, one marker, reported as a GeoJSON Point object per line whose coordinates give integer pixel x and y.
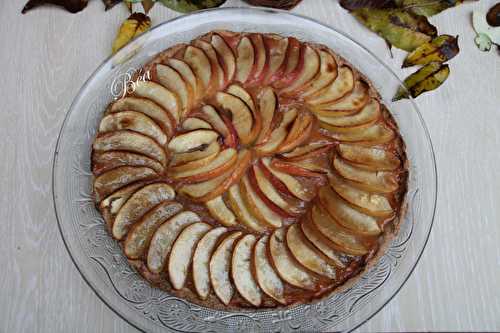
{"type": "Point", "coordinates": [251, 170]}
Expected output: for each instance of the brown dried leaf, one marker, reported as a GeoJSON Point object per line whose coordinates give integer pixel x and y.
{"type": "Point", "coordinates": [72, 6]}
{"type": "Point", "coordinates": [108, 4]}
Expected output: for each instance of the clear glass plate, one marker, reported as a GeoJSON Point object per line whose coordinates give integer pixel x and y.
{"type": "Point", "coordinates": [99, 258]}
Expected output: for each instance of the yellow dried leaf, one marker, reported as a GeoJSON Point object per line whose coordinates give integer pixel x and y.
{"type": "Point", "coordinates": [136, 24]}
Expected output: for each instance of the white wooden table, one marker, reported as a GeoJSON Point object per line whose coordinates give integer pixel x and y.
{"type": "Point", "coordinates": [46, 56]}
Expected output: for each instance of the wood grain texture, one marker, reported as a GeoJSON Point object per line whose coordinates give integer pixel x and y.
{"type": "Point", "coordinates": [47, 55]}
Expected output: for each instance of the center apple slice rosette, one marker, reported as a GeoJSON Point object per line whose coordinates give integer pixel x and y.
{"type": "Point", "coordinates": [252, 171]}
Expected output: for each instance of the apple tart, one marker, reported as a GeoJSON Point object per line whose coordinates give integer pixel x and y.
{"type": "Point", "coordinates": [250, 170]}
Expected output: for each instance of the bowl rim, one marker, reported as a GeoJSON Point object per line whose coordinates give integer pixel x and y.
{"type": "Point", "coordinates": [143, 37]}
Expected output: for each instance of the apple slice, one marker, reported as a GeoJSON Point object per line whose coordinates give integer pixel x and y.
{"type": "Point", "coordinates": [334, 232]}
{"type": "Point", "coordinates": [308, 71]}
{"type": "Point", "coordinates": [217, 71]}
{"type": "Point", "coordinates": [164, 237]}
{"type": "Point", "coordinates": [378, 181]}
{"type": "Point", "coordinates": [204, 151]}
{"type": "Point", "coordinates": [292, 66]}
{"type": "Point", "coordinates": [140, 234]}
{"type": "Point", "coordinates": [241, 93]}
{"type": "Point", "coordinates": [172, 80]}
{"type": "Point", "coordinates": [278, 135]}
{"type": "Point", "coordinates": [293, 185]}
{"type": "Point", "coordinates": [182, 252]}
{"type": "Point", "coordinates": [192, 140]}
{"type": "Point", "coordinates": [241, 270]}
{"type": "Point", "coordinates": [188, 76]}
{"type": "Point", "coordinates": [309, 151]}
{"type": "Point", "coordinates": [299, 133]}
{"type": "Point", "coordinates": [224, 161]}
{"type": "Point", "coordinates": [257, 207]}
{"type": "Point", "coordinates": [303, 168]}
{"type": "Point", "coordinates": [102, 162]}
{"type": "Point", "coordinates": [369, 114]}
{"type": "Point", "coordinates": [192, 123]}
{"type": "Point", "coordinates": [272, 194]}
{"type": "Point", "coordinates": [201, 260]}
{"type": "Point", "coordinates": [267, 107]}
{"type": "Point", "coordinates": [244, 60]}
{"type": "Point", "coordinates": [276, 48]}
{"type": "Point", "coordinates": [341, 86]}
{"type": "Point", "coordinates": [220, 266]}
{"type": "Point", "coordinates": [355, 100]}
{"type": "Point", "coordinates": [110, 206]}
{"type": "Point", "coordinates": [260, 59]}
{"type": "Point", "coordinates": [321, 243]}
{"type": "Point", "coordinates": [265, 275]}
{"type": "Point", "coordinates": [242, 119]}
{"type": "Point", "coordinates": [218, 210]}
{"type": "Point", "coordinates": [114, 179]}
{"type": "Point", "coordinates": [240, 166]}
{"type": "Point", "coordinates": [221, 124]}
{"type": "Point", "coordinates": [226, 55]}
{"type": "Point", "coordinates": [199, 190]}
{"type": "Point", "coordinates": [239, 208]}
{"type": "Point", "coordinates": [306, 254]}
{"type": "Point", "coordinates": [130, 141]}
{"type": "Point", "coordinates": [138, 204]}
{"type": "Point", "coordinates": [371, 203]}
{"type": "Point", "coordinates": [374, 158]}
{"type": "Point", "coordinates": [147, 107]}
{"type": "Point", "coordinates": [345, 215]}
{"type": "Point", "coordinates": [160, 95]}
{"type": "Point", "coordinates": [200, 64]}
{"type": "Point", "coordinates": [134, 121]}
{"type": "Point", "coordinates": [375, 134]}
{"type": "Point", "coordinates": [285, 264]}
{"type": "Point", "coordinates": [327, 73]}
{"type": "Point", "coordinates": [193, 165]}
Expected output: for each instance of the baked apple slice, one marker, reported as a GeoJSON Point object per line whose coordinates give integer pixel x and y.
{"type": "Point", "coordinates": [267, 108]}
{"type": "Point", "coordinates": [257, 207]}
{"type": "Point", "coordinates": [223, 162]}
{"type": "Point", "coordinates": [260, 59]}
{"type": "Point", "coordinates": [201, 66]}
{"type": "Point", "coordinates": [369, 114]}
{"type": "Point", "coordinates": [138, 204]}
{"type": "Point", "coordinates": [240, 209]}
{"type": "Point", "coordinates": [221, 125]}
{"type": "Point", "coordinates": [373, 135]}
{"type": "Point", "coordinates": [299, 133]}
{"type": "Point", "coordinates": [285, 264]}
{"type": "Point", "coordinates": [244, 60]}
{"type": "Point", "coordinates": [310, 67]}
{"type": "Point", "coordinates": [321, 242]}
{"type": "Point", "coordinates": [130, 141]}
{"type": "Point", "coordinates": [265, 275]}
{"type": "Point", "coordinates": [134, 121]}
{"type": "Point", "coordinates": [302, 168]}
{"type": "Point", "coordinates": [188, 76]}
{"type": "Point", "coordinates": [140, 234]}
{"type": "Point", "coordinates": [292, 66]}
{"type": "Point", "coordinates": [202, 189]}
{"type": "Point", "coordinates": [102, 162]}
{"type": "Point", "coordinates": [346, 215]}
{"type": "Point", "coordinates": [371, 203]}
{"type": "Point", "coordinates": [164, 237]}
{"type": "Point", "coordinates": [217, 71]}
{"type": "Point", "coordinates": [334, 232]}
{"type": "Point", "coordinates": [306, 254]}
{"type": "Point", "coordinates": [193, 165]}
{"type": "Point", "coordinates": [172, 80]}
{"type": "Point", "coordinates": [226, 55]}
{"type": "Point", "coordinates": [327, 73]}
{"type": "Point", "coordinates": [111, 205]}
{"type": "Point", "coordinates": [193, 123]}
{"type": "Point", "coordinates": [111, 180]}
{"type": "Point", "coordinates": [202, 152]}
{"type": "Point", "coordinates": [241, 270]}
{"type": "Point", "coordinates": [201, 261]}
{"type": "Point", "coordinates": [160, 95]}
{"type": "Point", "coordinates": [378, 181]}
{"type": "Point", "coordinates": [192, 140]}
{"type": "Point", "coordinates": [242, 94]}
{"type": "Point", "coordinates": [179, 260]}
{"type": "Point", "coordinates": [370, 158]}
{"type": "Point", "coordinates": [276, 47]}
{"type": "Point", "coordinates": [278, 135]}
{"type": "Point", "coordinates": [309, 151]}
{"type": "Point", "coordinates": [147, 107]}
{"type": "Point", "coordinates": [341, 86]}
{"type": "Point", "coordinates": [219, 210]}
{"type": "Point", "coordinates": [220, 266]}
{"type": "Point", "coordinates": [242, 118]}
{"type": "Point", "coordinates": [355, 100]}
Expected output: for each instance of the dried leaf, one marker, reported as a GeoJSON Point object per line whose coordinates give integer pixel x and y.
{"type": "Point", "coordinates": [280, 4]}
{"type": "Point", "coordinates": [374, 4]}
{"type": "Point", "coordinates": [425, 79]}
{"type": "Point", "coordinates": [493, 16]}
{"type": "Point", "coordinates": [401, 29]}
{"type": "Point", "coordinates": [72, 6]}
{"type": "Point", "coordinates": [440, 49]}
{"type": "Point", "coordinates": [186, 6]}
{"type": "Point", "coordinates": [108, 4]}
{"type": "Point", "coordinates": [147, 5]}
{"type": "Point", "coordinates": [136, 24]}
{"type": "Point", "coordinates": [429, 7]}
